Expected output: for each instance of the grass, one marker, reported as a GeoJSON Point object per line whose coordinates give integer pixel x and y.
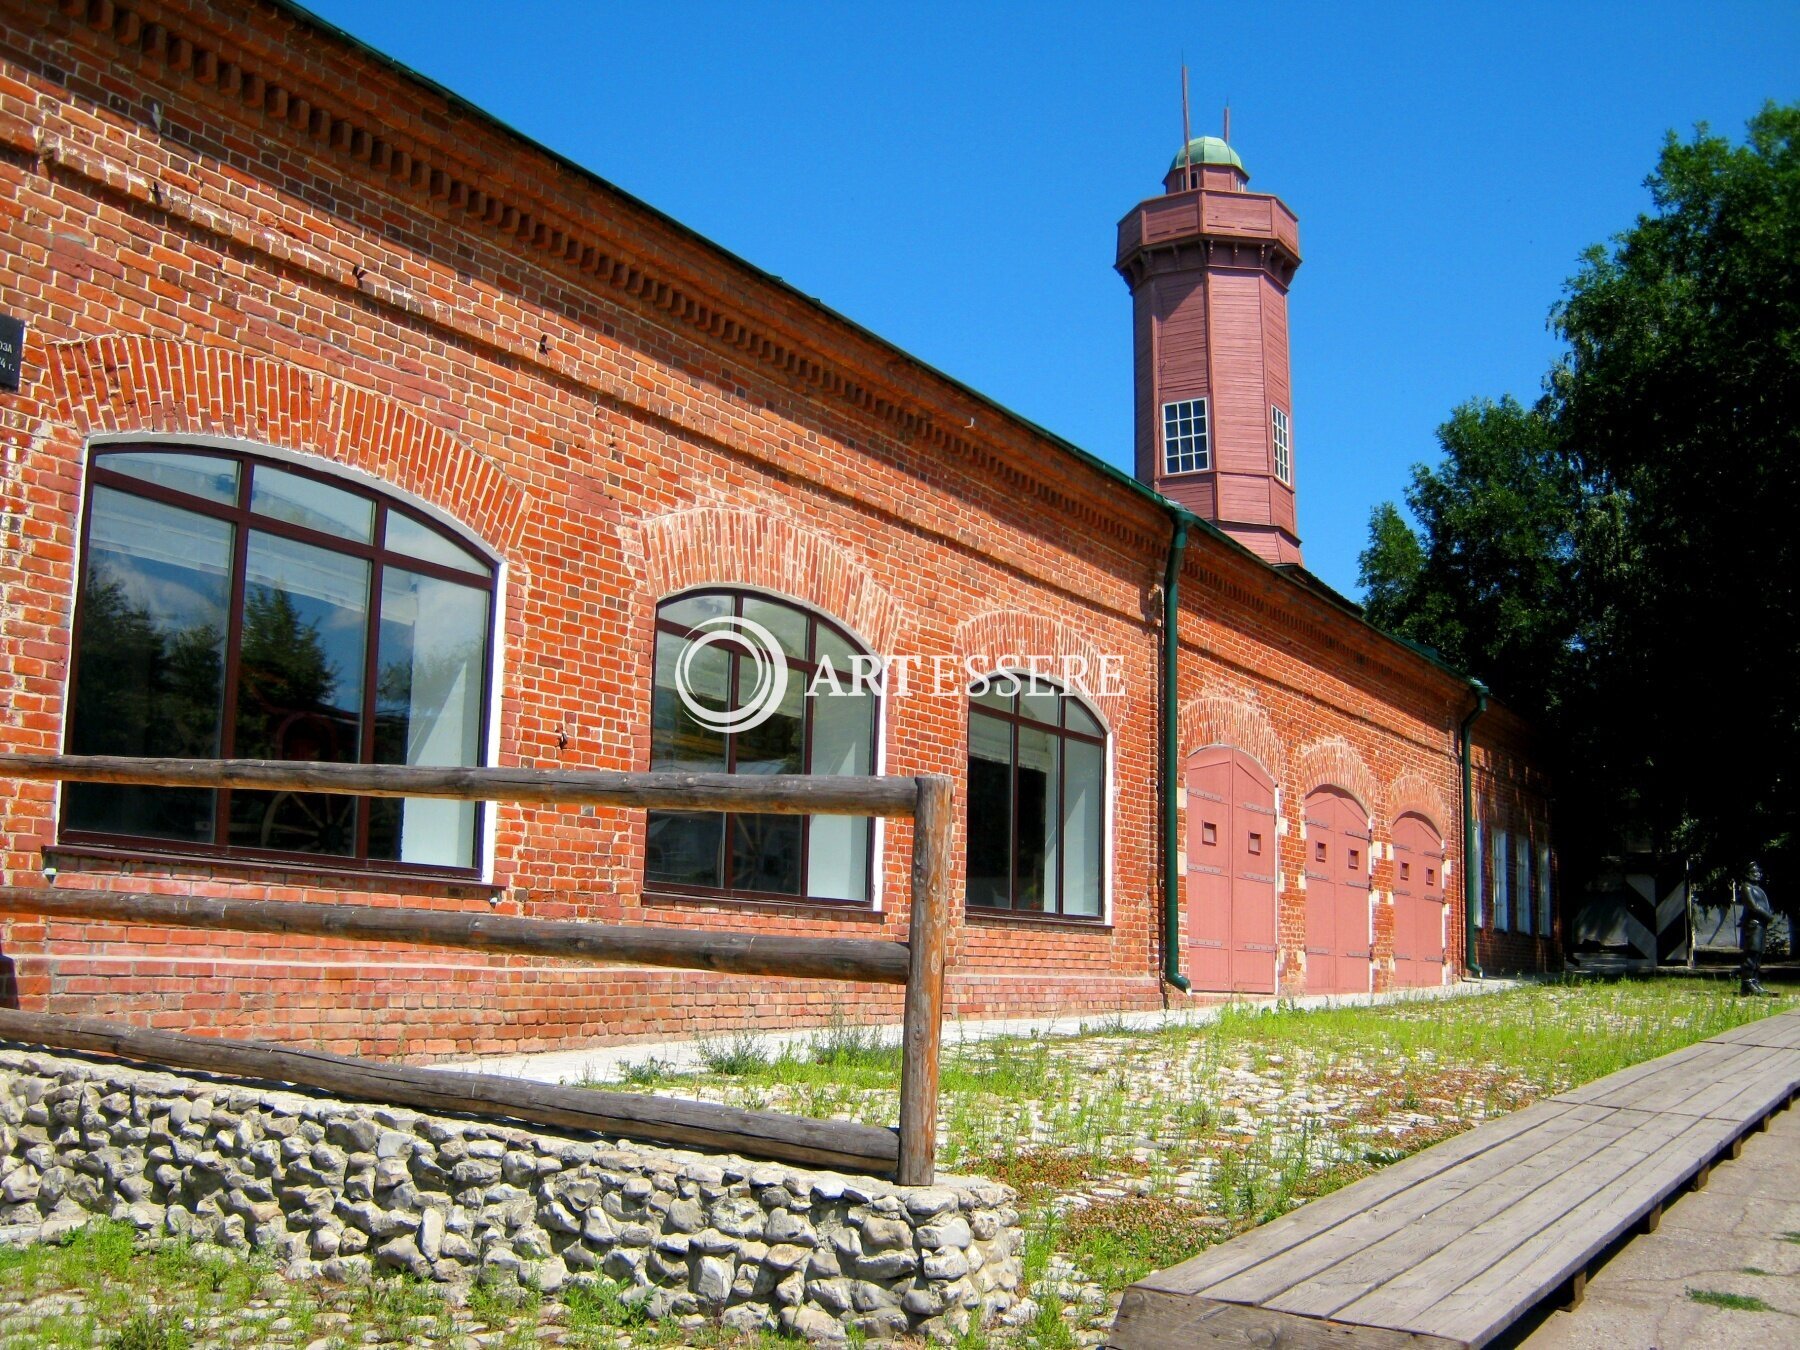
{"type": "Point", "coordinates": [1130, 1150]}
{"type": "Point", "coordinates": [1718, 1298]}
{"type": "Point", "coordinates": [1136, 1149]}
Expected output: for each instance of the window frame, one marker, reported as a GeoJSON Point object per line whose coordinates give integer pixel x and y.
{"type": "Point", "coordinates": [1281, 432]}
{"type": "Point", "coordinates": [1202, 455]}
{"type": "Point", "coordinates": [243, 520]}
{"type": "Point", "coordinates": [807, 670]}
{"type": "Point", "coordinates": [1016, 719]}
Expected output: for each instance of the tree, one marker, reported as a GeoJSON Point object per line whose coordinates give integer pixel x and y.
{"type": "Point", "coordinates": [1619, 561]}
{"type": "Point", "coordinates": [1485, 578]}
{"type": "Point", "coordinates": [1680, 397]}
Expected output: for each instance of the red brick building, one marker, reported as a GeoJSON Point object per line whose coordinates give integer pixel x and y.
{"type": "Point", "coordinates": [353, 426]}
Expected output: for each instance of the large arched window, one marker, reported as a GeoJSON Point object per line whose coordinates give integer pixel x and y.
{"type": "Point", "coordinates": [1037, 799]}
{"type": "Point", "coordinates": [706, 679]}
{"type": "Point", "coordinates": [232, 606]}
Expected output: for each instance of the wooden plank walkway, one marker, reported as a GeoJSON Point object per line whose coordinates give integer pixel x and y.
{"type": "Point", "coordinates": [1450, 1247]}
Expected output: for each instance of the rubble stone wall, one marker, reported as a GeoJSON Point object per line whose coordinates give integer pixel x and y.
{"type": "Point", "coordinates": [340, 1189]}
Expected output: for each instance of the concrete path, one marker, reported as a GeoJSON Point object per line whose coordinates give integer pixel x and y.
{"type": "Point", "coordinates": [607, 1063]}
{"type": "Point", "coordinates": [1747, 1218]}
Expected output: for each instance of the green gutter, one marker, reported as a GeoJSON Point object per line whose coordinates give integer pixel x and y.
{"type": "Point", "coordinates": [1171, 712]}
{"type": "Point", "coordinates": [1471, 882]}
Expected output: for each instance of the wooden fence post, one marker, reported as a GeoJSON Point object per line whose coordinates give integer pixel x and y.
{"type": "Point", "coordinates": [922, 1034]}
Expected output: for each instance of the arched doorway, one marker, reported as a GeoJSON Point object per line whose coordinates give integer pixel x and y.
{"type": "Point", "coordinates": [1232, 863]}
{"type": "Point", "coordinates": [1337, 893]}
{"type": "Point", "coordinates": [1418, 902]}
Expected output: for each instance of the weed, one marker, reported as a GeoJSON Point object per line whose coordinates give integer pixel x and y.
{"type": "Point", "coordinates": [645, 1073]}
{"type": "Point", "coordinates": [1718, 1298]}
{"type": "Point", "coordinates": [497, 1304]}
{"type": "Point", "coordinates": [1048, 1329]}
{"type": "Point", "coordinates": [150, 1331]}
{"type": "Point", "coordinates": [1117, 1242]}
{"type": "Point", "coordinates": [595, 1306]}
{"type": "Point", "coordinates": [841, 1043]}
{"type": "Point", "coordinates": [735, 1056]}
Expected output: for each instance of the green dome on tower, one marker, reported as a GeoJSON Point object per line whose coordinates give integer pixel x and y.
{"type": "Point", "coordinates": [1209, 150]}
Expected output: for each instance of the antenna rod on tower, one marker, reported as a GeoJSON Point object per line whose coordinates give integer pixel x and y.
{"type": "Point", "coordinates": [1187, 132]}
{"type": "Point", "coordinates": [1228, 119]}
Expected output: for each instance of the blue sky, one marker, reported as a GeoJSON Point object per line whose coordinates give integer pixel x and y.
{"type": "Point", "coordinates": [950, 175]}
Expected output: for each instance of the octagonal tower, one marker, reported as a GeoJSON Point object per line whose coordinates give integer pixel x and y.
{"type": "Point", "coordinates": [1209, 264]}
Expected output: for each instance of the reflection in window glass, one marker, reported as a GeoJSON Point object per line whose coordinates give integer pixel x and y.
{"type": "Point", "coordinates": [819, 857]}
{"type": "Point", "coordinates": [157, 636]}
{"type": "Point", "coordinates": [408, 536]}
{"type": "Point", "coordinates": [990, 812]}
{"type": "Point", "coordinates": [209, 477]}
{"type": "Point", "coordinates": [837, 858]}
{"type": "Point", "coordinates": [430, 669]}
{"type": "Point", "coordinates": [299, 689]}
{"type": "Point", "coordinates": [1036, 806]}
{"type": "Point", "coordinates": [313, 505]}
{"type": "Point", "coordinates": [1084, 826]}
{"type": "Point", "coordinates": [149, 660]}
{"type": "Point", "coordinates": [787, 624]}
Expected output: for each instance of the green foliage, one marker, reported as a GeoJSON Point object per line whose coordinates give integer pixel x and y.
{"type": "Point", "coordinates": [150, 1331]}
{"type": "Point", "coordinates": [1679, 395]}
{"type": "Point", "coordinates": [1484, 581]}
{"type": "Point", "coordinates": [734, 1056]}
{"type": "Point", "coordinates": [1619, 561]}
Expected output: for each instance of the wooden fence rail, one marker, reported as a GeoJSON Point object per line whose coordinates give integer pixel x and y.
{"type": "Point", "coordinates": [918, 962]}
{"type": "Point", "coordinates": [875, 961]}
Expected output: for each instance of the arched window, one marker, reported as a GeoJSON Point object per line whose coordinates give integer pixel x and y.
{"type": "Point", "coordinates": [232, 606]}
{"type": "Point", "coordinates": [704, 719]}
{"type": "Point", "coordinates": [1037, 799]}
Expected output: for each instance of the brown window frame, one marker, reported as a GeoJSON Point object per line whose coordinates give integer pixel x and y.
{"type": "Point", "coordinates": [807, 669]}
{"type": "Point", "coordinates": [1017, 718]}
{"type": "Point", "coordinates": [243, 520]}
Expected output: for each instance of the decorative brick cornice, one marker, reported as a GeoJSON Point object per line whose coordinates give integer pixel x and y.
{"type": "Point", "coordinates": [713, 546]}
{"type": "Point", "coordinates": [650, 260]}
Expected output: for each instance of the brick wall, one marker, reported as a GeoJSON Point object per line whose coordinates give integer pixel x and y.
{"type": "Point", "coordinates": [223, 225]}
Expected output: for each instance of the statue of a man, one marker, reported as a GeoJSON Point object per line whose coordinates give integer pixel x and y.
{"type": "Point", "coordinates": [1758, 913]}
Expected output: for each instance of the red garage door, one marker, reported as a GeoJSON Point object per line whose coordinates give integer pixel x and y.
{"type": "Point", "coordinates": [1337, 893]}
{"type": "Point", "coordinates": [1418, 902]}
{"type": "Point", "coordinates": [1231, 873]}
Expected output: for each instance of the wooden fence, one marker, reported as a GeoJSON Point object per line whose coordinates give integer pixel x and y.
{"type": "Point", "coordinates": [918, 963]}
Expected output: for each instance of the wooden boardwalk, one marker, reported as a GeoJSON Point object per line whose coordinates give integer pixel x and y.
{"type": "Point", "coordinates": [1455, 1244]}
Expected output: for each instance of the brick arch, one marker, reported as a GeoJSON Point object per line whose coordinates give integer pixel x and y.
{"type": "Point", "coordinates": [1335, 762]}
{"type": "Point", "coordinates": [1416, 793]}
{"type": "Point", "coordinates": [153, 385]}
{"type": "Point", "coordinates": [719, 546]}
{"type": "Point", "coordinates": [1005, 637]}
{"type": "Point", "coordinates": [1217, 717]}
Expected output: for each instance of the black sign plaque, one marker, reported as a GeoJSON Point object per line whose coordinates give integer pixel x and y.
{"type": "Point", "coordinates": [12, 351]}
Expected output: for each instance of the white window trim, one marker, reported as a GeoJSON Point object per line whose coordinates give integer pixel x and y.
{"type": "Point", "coordinates": [1203, 455]}
{"type": "Point", "coordinates": [1281, 432]}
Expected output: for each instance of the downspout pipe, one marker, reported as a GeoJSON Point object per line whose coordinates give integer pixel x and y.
{"type": "Point", "coordinates": [1471, 881]}
{"type": "Point", "coordinates": [1171, 711]}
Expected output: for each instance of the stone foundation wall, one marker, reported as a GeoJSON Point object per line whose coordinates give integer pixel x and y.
{"type": "Point", "coordinates": [339, 1189]}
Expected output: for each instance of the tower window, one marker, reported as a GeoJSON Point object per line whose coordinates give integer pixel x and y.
{"type": "Point", "coordinates": [1185, 445]}
{"type": "Point", "coordinates": [1284, 445]}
